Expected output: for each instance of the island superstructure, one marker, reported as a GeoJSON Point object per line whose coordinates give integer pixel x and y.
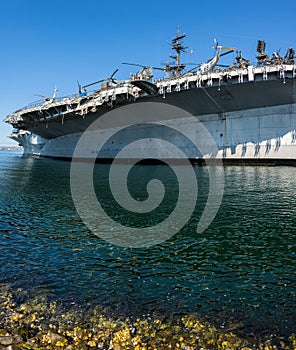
{"type": "Point", "coordinates": [249, 110]}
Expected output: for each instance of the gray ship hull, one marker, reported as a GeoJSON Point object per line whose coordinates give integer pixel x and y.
{"type": "Point", "coordinates": [266, 135]}
{"type": "Point", "coordinates": [250, 117]}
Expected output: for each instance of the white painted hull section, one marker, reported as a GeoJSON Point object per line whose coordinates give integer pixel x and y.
{"type": "Point", "coordinates": [254, 134]}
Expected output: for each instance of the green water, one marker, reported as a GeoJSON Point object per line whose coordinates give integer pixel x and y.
{"type": "Point", "coordinates": [241, 268]}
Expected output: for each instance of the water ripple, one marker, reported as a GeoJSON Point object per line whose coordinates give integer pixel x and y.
{"type": "Point", "coordinates": [241, 267]}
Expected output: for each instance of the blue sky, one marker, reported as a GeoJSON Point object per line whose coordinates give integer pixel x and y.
{"type": "Point", "coordinates": [50, 43]}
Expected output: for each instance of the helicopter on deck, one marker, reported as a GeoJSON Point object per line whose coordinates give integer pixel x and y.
{"type": "Point", "coordinates": [212, 63]}
{"type": "Point", "coordinates": [177, 68]}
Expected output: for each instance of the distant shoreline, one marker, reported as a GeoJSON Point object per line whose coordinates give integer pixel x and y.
{"type": "Point", "coordinates": [10, 148]}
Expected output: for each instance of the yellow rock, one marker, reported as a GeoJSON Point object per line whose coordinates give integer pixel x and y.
{"type": "Point", "coordinates": [153, 343]}
{"type": "Point", "coordinates": [227, 345]}
{"type": "Point", "coordinates": [136, 340]}
{"type": "Point", "coordinates": [61, 343]}
{"type": "Point", "coordinates": [16, 317]}
{"type": "Point", "coordinates": [33, 317]}
{"type": "Point", "coordinates": [123, 335]}
{"type": "Point", "coordinates": [91, 343]}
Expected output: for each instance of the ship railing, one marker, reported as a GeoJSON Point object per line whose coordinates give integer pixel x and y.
{"type": "Point", "coordinates": [40, 103]}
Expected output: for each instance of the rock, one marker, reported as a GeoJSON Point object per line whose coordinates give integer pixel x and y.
{"type": "Point", "coordinates": [3, 332]}
{"type": "Point", "coordinates": [69, 347]}
{"type": "Point", "coordinates": [57, 338]}
{"type": "Point", "coordinates": [11, 339]}
{"type": "Point", "coordinates": [31, 344]}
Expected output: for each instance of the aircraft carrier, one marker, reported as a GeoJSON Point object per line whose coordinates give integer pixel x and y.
{"type": "Point", "coordinates": [248, 110]}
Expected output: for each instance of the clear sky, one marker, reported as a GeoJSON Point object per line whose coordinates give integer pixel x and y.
{"type": "Point", "coordinates": [50, 43]}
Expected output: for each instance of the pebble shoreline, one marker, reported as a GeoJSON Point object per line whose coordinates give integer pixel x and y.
{"type": "Point", "coordinates": [39, 324]}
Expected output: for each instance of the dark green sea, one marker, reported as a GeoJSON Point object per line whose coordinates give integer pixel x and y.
{"type": "Point", "coordinates": [240, 269]}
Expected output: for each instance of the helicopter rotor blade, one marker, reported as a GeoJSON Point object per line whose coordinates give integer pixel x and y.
{"type": "Point", "coordinates": [100, 81]}
{"type": "Point", "coordinates": [40, 95]}
{"type": "Point", "coordinates": [191, 70]}
{"type": "Point", "coordinates": [112, 75]}
{"type": "Point", "coordinates": [158, 68]}
{"type": "Point", "coordinates": [191, 64]}
{"type": "Point", "coordinates": [96, 82]}
{"type": "Point", "coordinates": [226, 53]}
{"type": "Point", "coordinates": [142, 66]}
{"type": "Point", "coordinates": [228, 48]}
{"type": "Point", "coordinates": [134, 64]}
{"type": "Point", "coordinates": [79, 87]}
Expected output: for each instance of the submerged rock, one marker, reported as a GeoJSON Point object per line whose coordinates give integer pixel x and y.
{"type": "Point", "coordinates": [3, 332]}
{"type": "Point", "coordinates": [11, 339]}
{"type": "Point", "coordinates": [38, 324]}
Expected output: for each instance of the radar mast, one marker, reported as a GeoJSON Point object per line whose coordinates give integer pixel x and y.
{"type": "Point", "coordinates": [177, 45]}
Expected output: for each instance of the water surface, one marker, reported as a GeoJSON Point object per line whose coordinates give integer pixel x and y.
{"type": "Point", "coordinates": [241, 268]}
